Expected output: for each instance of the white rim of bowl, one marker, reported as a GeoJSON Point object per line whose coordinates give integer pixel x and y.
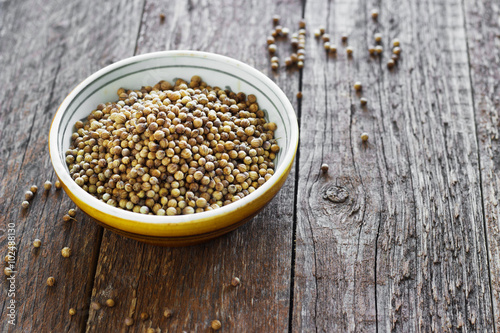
{"type": "Point", "coordinates": [92, 201]}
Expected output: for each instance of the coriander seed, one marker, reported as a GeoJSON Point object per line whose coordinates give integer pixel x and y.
{"type": "Point", "coordinates": [110, 303]}
{"type": "Point", "coordinates": [324, 168]}
{"type": "Point", "coordinates": [235, 281]}
{"type": "Point", "coordinates": [299, 95]}
{"type": "Point", "coordinates": [378, 37]}
{"type": "Point", "coordinates": [276, 19]}
{"type": "Point", "coordinates": [28, 195]}
{"type": "Point", "coordinates": [344, 38]}
{"type": "Point", "coordinates": [144, 316]}
{"type": "Point", "coordinates": [47, 185]}
{"type": "Point", "coordinates": [272, 48]}
{"type": "Point", "coordinates": [326, 46]}
{"type": "Point", "coordinates": [300, 64]}
{"type": "Point", "coordinates": [270, 40]}
{"type": "Point", "coordinates": [395, 42]}
{"type": "Point", "coordinates": [37, 243]}
{"type": "Point", "coordinates": [371, 50]}
{"type": "Point", "coordinates": [162, 18]}
{"type": "Point", "coordinates": [275, 65]}
{"type": "Point", "coordinates": [326, 38]}
{"type": "Point", "coordinates": [167, 313]}
{"type": "Point", "coordinates": [288, 61]}
{"type": "Point", "coordinates": [25, 204]}
{"type": "Point", "coordinates": [317, 33]}
{"type": "Point", "coordinates": [285, 32]}
{"type": "Point", "coordinates": [72, 312]}
{"type": "Point", "coordinates": [363, 101]}
{"type": "Point", "coordinates": [34, 188]}
{"type": "Point", "coordinates": [322, 29]}
{"type": "Point", "coordinates": [7, 271]}
{"type": "Point", "coordinates": [390, 63]}
{"type": "Point", "coordinates": [95, 306]}
{"type": "Point", "coordinates": [66, 218]}
{"type": "Point", "coordinates": [72, 212]}
{"type": "Point", "coordinates": [349, 51]}
{"type": "Point", "coordinates": [58, 185]}
{"type": "Point", "coordinates": [364, 137]}
{"type": "Point", "coordinates": [66, 252]}
{"type": "Point", "coordinates": [216, 325]}
{"type": "Point", "coordinates": [358, 86]}
{"type": "Point", "coordinates": [302, 24]}
{"type": "Point", "coordinates": [396, 50]}
{"type": "Point", "coordinates": [379, 49]}
{"type": "Point", "coordinates": [51, 281]}
{"type": "Point", "coordinates": [374, 14]}
{"type": "Point", "coordinates": [129, 321]}
{"type": "Point", "coordinates": [333, 48]}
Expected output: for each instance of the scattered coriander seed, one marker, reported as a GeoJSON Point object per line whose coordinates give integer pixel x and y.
{"type": "Point", "coordinates": [326, 46]}
{"type": "Point", "coordinates": [129, 321]}
{"type": "Point", "coordinates": [270, 40]}
{"type": "Point", "coordinates": [363, 101]}
{"type": "Point", "coordinates": [395, 57]}
{"type": "Point", "coordinates": [66, 218]}
{"type": "Point", "coordinates": [302, 24]}
{"type": "Point", "coordinates": [276, 19]}
{"type": "Point", "coordinates": [272, 48]}
{"type": "Point", "coordinates": [317, 33]}
{"type": "Point", "coordinates": [300, 64]}
{"type": "Point", "coordinates": [324, 168]}
{"type": "Point", "coordinates": [235, 281]}
{"type": "Point", "coordinates": [216, 325]}
{"type": "Point", "coordinates": [110, 303]}
{"type": "Point", "coordinates": [167, 313]}
{"type": "Point", "coordinates": [288, 61]}
{"type": "Point", "coordinates": [379, 49]}
{"type": "Point", "coordinates": [7, 271]}
{"type": "Point", "coordinates": [28, 195]}
{"type": "Point", "coordinates": [275, 65]}
{"type": "Point", "coordinates": [47, 185]}
{"type": "Point", "coordinates": [390, 63]}
{"type": "Point", "coordinates": [322, 29]}
{"type": "Point", "coordinates": [37, 243]}
{"type": "Point", "coordinates": [371, 50]}
{"type": "Point", "coordinates": [72, 212]}
{"type": "Point", "coordinates": [344, 38]}
{"type": "Point", "coordinates": [349, 50]}
{"type": "Point", "coordinates": [58, 184]}
{"type": "Point", "coordinates": [285, 32]}
{"type": "Point", "coordinates": [51, 281]}
{"type": "Point", "coordinates": [144, 316]}
{"type": "Point", "coordinates": [25, 204]}
{"type": "Point", "coordinates": [396, 50]}
{"type": "Point", "coordinates": [299, 95]}
{"type": "Point", "coordinates": [358, 86]}
{"type": "Point", "coordinates": [364, 137]}
{"type": "Point", "coordinates": [150, 330]}
{"type": "Point", "coordinates": [395, 42]}
{"type": "Point", "coordinates": [66, 252]}
{"type": "Point", "coordinates": [162, 17]}
{"type": "Point", "coordinates": [378, 37]}
{"type": "Point", "coordinates": [278, 30]}
{"type": "Point", "coordinates": [95, 306]}
{"type": "Point", "coordinates": [33, 188]}
{"type": "Point", "coordinates": [326, 38]}
{"type": "Point", "coordinates": [7, 258]}
{"type": "Point", "coordinates": [275, 59]}
{"type": "Point", "coordinates": [374, 14]}
{"type": "Point", "coordinates": [72, 312]}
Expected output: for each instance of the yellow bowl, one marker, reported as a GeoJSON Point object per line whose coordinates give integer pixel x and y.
{"type": "Point", "coordinates": [148, 69]}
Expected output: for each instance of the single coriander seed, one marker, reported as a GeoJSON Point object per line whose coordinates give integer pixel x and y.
{"type": "Point", "coordinates": [110, 303]}
{"type": "Point", "coordinates": [395, 42]}
{"type": "Point", "coordinates": [37, 243]}
{"type": "Point", "coordinates": [129, 321]}
{"type": "Point", "coordinates": [317, 33]}
{"type": "Point", "coordinates": [167, 313]}
{"type": "Point", "coordinates": [378, 37]}
{"type": "Point", "coordinates": [333, 48]}
{"type": "Point", "coordinates": [326, 46]}
{"type": "Point", "coordinates": [300, 64]}
{"type": "Point", "coordinates": [299, 95]}
{"type": "Point", "coordinates": [270, 40]}
{"type": "Point", "coordinates": [272, 48]}
{"type": "Point", "coordinates": [349, 51]}
{"type": "Point", "coordinates": [275, 66]}
{"type": "Point", "coordinates": [33, 188]}
{"type": "Point", "coordinates": [216, 325]}
{"type": "Point", "coordinates": [364, 137]}
{"type": "Point", "coordinates": [47, 185]}
{"type": "Point", "coordinates": [7, 271]}
{"type": "Point", "coordinates": [374, 14]}
{"type": "Point", "coordinates": [396, 50]}
{"type": "Point", "coordinates": [363, 101]}
{"type": "Point", "coordinates": [72, 212]}
{"type": "Point", "coordinates": [95, 306]}
{"type": "Point", "coordinates": [235, 282]}
{"type": "Point", "coordinates": [58, 185]}
{"type": "Point", "coordinates": [28, 195]}
{"type": "Point", "coordinates": [324, 167]}
{"type": "Point", "coordinates": [371, 50]}
{"type": "Point", "coordinates": [379, 49]}
{"type": "Point", "coordinates": [358, 86]}
{"type": "Point", "coordinates": [395, 57]}
{"type": "Point", "coordinates": [150, 330]}
{"type": "Point", "coordinates": [390, 63]}
{"type": "Point", "coordinates": [25, 204]}
{"type": "Point", "coordinates": [302, 24]}
{"type": "Point", "coordinates": [344, 38]}
{"type": "Point", "coordinates": [72, 312]}
{"type": "Point", "coordinates": [144, 316]}
{"type": "Point", "coordinates": [51, 281]}
{"type": "Point", "coordinates": [276, 19]}
{"type": "Point", "coordinates": [66, 218]}
{"type": "Point", "coordinates": [66, 252]}
{"type": "Point", "coordinates": [285, 31]}
{"type": "Point", "coordinates": [326, 38]}
{"type": "Point", "coordinates": [322, 29]}
{"type": "Point", "coordinates": [288, 61]}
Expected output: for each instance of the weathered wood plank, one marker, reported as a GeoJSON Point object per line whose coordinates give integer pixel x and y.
{"type": "Point", "coordinates": [194, 282]}
{"type": "Point", "coordinates": [47, 48]}
{"type": "Point", "coordinates": [407, 248]}
{"type": "Point", "coordinates": [483, 39]}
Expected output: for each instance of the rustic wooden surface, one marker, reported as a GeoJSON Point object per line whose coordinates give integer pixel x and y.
{"type": "Point", "coordinates": [401, 235]}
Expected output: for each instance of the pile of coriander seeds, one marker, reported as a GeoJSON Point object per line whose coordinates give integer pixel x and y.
{"type": "Point", "coordinates": [172, 150]}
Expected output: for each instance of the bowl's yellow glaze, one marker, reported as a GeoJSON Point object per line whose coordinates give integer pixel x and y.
{"type": "Point", "coordinates": [185, 229]}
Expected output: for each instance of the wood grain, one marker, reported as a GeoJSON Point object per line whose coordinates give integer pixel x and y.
{"type": "Point", "coordinates": [406, 251]}
{"type": "Point", "coordinates": [194, 282]}
{"type": "Point", "coordinates": [483, 40]}
{"type": "Point", "coordinates": [47, 48]}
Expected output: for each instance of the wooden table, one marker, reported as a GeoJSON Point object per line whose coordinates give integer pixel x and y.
{"type": "Point", "coordinates": [414, 247]}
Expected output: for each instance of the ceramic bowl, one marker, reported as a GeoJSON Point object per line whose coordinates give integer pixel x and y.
{"type": "Point", "coordinates": [147, 70]}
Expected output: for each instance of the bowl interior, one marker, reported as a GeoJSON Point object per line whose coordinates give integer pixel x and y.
{"type": "Point", "coordinates": [147, 70]}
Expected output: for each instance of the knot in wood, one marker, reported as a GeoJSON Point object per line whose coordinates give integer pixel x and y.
{"type": "Point", "coordinates": [336, 194]}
